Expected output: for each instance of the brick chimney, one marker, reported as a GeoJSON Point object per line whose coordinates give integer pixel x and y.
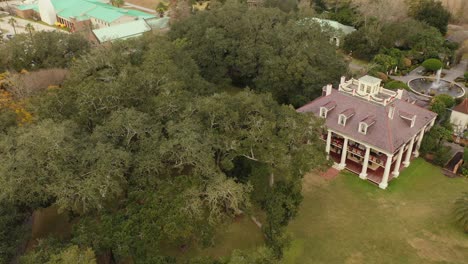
{"type": "Point", "coordinates": [328, 89]}
{"type": "Point", "coordinates": [399, 93]}
{"type": "Point", "coordinates": [413, 120]}
{"type": "Point", "coordinates": [343, 80]}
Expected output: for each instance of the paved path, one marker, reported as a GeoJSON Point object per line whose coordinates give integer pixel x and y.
{"type": "Point", "coordinates": [456, 71]}
{"type": "Point", "coordinates": [148, 10]}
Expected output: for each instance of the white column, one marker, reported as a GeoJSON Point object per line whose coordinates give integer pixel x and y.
{"type": "Point", "coordinates": [344, 151]}
{"type": "Point", "coordinates": [384, 183]}
{"type": "Point", "coordinates": [327, 148]}
{"type": "Point", "coordinates": [418, 144]}
{"type": "Point", "coordinates": [408, 153]}
{"type": "Point", "coordinates": [363, 174]}
{"type": "Point", "coordinates": [396, 170]}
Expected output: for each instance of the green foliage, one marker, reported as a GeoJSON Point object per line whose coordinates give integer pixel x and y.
{"type": "Point", "coordinates": [345, 15]}
{"type": "Point", "coordinates": [461, 211]}
{"type": "Point", "coordinates": [140, 149]}
{"type": "Point", "coordinates": [41, 50]}
{"type": "Point", "coordinates": [385, 62]}
{"type": "Point", "coordinates": [12, 231]}
{"type": "Point", "coordinates": [7, 119]}
{"type": "Point", "coordinates": [283, 5]}
{"type": "Point", "coordinates": [363, 43]}
{"type": "Point", "coordinates": [433, 13]}
{"type": "Point", "coordinates": [433, 140]}
{"type": "Point", "coordinates": [395, 85]}
{"type": "Point", "coordinates": [421, 41]}
{"type": "Point", "coordinates": [442, 155]}
{"type": "Point", "coordinates": [59, 166]}
{"type": "Point", "coordinates": [52, 251]}
{"type": "Point", "coordinates": [432, 64]}
{"type": "Point", "coordinates": [440, 104]}
{"type": "Point", "coordinates": [43, 251]}
{"type": "Point", "coordinates": [466, 76]}
{"type": "Point", "coordinates": [261, 255]}
{"type": "Point", "coordinates": [281, 206]}
{"type": "Point", "coordinates": [319, 5]}
{"type": "Point", "coordinates": [264, 49]}
{"type": "Point", "coordinates": [73, 254]}
{"type": "Point", "coordinates": [446, 99]}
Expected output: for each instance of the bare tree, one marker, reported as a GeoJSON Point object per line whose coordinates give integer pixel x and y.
{"type": "Point", "coordinates": [27, 84]}
{"type": "Point", "coordinates": [383, 10]}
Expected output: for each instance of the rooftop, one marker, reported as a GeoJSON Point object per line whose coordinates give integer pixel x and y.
{"type": "Point", "coordinates": [122, 31]}
{"type": "Point", "coordinates": [85, 9]}
{"type": "Point", "coordinates": [388, 132]}
{"type": "Point", "coordinates": [462, 107]}
{"type": "Point", "coordinates": [332, 23]}
{"type": "Point", "coordinates": [370, 79]}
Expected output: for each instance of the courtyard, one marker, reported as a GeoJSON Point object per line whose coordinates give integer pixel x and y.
{"type": "Point", "coordinates": [347, 220]}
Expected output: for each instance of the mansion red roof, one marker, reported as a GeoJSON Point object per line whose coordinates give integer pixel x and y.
{"type": "Point", "coordinates": [384, 132]}
{"type": "Point", "coordinates": [462, 107]}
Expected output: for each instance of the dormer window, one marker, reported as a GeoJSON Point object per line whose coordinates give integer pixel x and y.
{"type": "Point", "coordinates": [342, 120]}
{"type": "Point", "coordinates": [365, 124]}
{"type": "Point", "coordinates": [325, 108]}
{"type": "Point", "coordinates": [363, 128]}
{"type": "Point", "coordinates": [323, 112]}
{"type": "Point", "coordinates": [345, 115]}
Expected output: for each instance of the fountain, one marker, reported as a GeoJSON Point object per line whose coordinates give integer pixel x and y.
{"type": "Point", "coordinates": [434, 86]}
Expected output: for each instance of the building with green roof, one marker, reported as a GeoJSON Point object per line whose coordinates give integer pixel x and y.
{"type": "Point", "coordinates": [129, 30]}
{"type": "Point", "coordinates": [337, 30]}
{"type": "Point", "coordinates": [82, 14]}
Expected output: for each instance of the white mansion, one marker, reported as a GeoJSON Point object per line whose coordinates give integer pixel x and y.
{"type": "Point", "coordinates": [371, 131]}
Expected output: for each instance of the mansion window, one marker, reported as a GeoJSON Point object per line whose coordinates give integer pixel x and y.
{"type": "Point", "coordinates": [342, 120]}
{"type": "Point", "coordinates": [323, 112]}
{"type": "Point", "coordinates": [362, 128]}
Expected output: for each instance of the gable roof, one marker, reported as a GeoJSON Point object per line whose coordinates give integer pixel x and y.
{"type": "Point", "coordinates": [387, 134]}
{"type": "Point", "coordinates": [122, 31]}
{"type": "Point", "coordinates": [462, 107]}
{"type": "Point", "coordinates": [335, 24]}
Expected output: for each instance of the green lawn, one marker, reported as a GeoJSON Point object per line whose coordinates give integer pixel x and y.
{"type": "Point", "coordinates": [241, 234]}
{"type": "Point", "coordinates": [347, 220]}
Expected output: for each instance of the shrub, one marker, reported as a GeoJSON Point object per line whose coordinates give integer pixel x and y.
{"type": "Point", "coordinates": [442, 156]}
{"type": "Point", "coordinates": [406, 62]}
{"type": "Point", "coordinates": [432, 64]}
{"type": "Point", "coordinates": [466, 76]}
{"type": "Point", "coordinates": [382, 76]}
{"type": "Point", "coordinates": [394, 85]}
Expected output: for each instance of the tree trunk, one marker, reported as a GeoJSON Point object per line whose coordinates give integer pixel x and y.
{"type": "Point", "coordinates": [272, 179]}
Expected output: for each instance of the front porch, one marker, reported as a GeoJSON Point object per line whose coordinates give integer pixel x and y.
{"type": "Point", "coordinates": [381, 168]}
{"type": "Point", "coordinates": [373, 175]}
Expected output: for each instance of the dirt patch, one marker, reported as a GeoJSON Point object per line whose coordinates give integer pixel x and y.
{"type": "Point", "coordinates": [441, 249]}
{"type": "Point", "coordinates": [48, 221]}
{"type": "Point", "coordinates": [355, 258]}
{"type": "Point", "coordinates": [313, 180]}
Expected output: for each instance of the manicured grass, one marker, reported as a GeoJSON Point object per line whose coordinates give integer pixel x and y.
{"type": "Point", "coordinates": [347, 220]}
{"type": "Point", "coordinates": [241, 234]}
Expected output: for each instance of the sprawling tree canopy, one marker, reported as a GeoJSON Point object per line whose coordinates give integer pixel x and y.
{"type": "Point", "coordinates": [139, 146]}
{"type": "Point", "coordinates": [41, 50]}
{"type": "Point", "coordinates": [264, 49]}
